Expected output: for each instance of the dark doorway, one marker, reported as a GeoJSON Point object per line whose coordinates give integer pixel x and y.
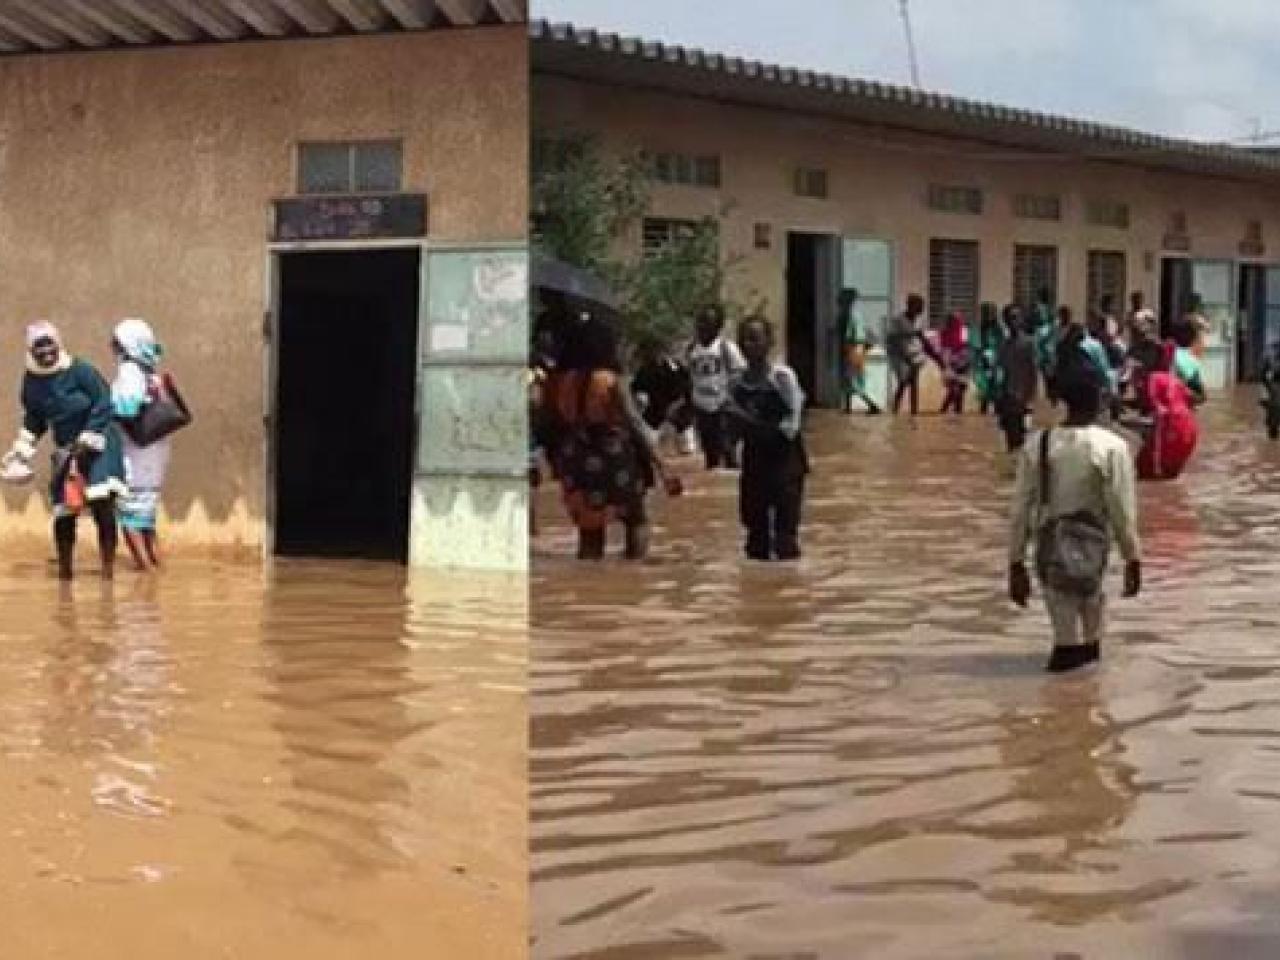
{"type": "Point", "coordinates": [344, 433]}
{"type": "Point", "coordinates": [1251, 337]}
{"type": "Point", "coordinates": [813, 335]}
{"type": "Point", "coordinates": [1175, 292]}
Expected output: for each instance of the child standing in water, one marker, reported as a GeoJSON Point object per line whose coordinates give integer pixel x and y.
{"type": "Point", "coordinates": [767, 402]}
{"type": "Point", "coordinates": [713, 361]}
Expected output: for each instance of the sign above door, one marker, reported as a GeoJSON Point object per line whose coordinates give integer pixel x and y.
{"type": "Point", "coordinates": [395, 216]}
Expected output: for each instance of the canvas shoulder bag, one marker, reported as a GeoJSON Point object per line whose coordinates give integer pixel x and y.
{"type": "Point", "coordinates": [1072, 550]}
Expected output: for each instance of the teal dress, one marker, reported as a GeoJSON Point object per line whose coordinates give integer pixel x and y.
{"type": "Point", "coordinates": [986, 372]}
{"type": "Point", "coordinates": [1187, 369]}
{"type": "Point", "coordinates": [73, 404]}
{"type": "Point", "coordinates": [1046, 339]}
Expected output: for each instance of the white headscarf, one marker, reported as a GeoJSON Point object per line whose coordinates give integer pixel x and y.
{"type": "Point", "coordinates": [141, 354]}
{"type": "Point", "coordinates": [138, 342]}
{"type": "Point", "coordinates": [43, 330]}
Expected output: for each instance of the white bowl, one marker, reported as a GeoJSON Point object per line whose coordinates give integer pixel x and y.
{"type": "Point", "coordinates": [16, 472]}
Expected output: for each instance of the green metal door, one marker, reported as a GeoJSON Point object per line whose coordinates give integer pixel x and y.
{"type": "Point", "coordinates": [470, 502]}
{"type": "Point", "coordinates": [1214, 282]}
{"type": "Point", "coordinates": [867, 266]}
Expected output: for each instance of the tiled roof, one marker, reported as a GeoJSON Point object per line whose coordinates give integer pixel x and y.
{"type": "Point", "coordinates": [36, 26]}
{"type": "Point", "coordinates": [590, 54]}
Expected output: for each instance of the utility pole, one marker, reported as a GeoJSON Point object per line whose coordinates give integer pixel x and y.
{"type": "Point", "coordinates": [903, 7]}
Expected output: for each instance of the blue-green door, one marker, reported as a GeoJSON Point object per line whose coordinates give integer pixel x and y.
{"type": "Point", "coordinates": [470, 501]}
{"type": "Point", "coordinates": [867, 265]}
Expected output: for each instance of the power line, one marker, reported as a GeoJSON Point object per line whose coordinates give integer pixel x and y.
{"type": "Point", "coordinates": [912, 62]}
{"type": "Point", "coordinates": [1258, 136]}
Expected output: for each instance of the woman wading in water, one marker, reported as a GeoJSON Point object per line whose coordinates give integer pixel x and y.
{"type": "Point", "coordinates": [604, 455]}
{"type": "Point", "coordinates": [138, 383]}
{"type": "Point", "coordinates": [68, 398]}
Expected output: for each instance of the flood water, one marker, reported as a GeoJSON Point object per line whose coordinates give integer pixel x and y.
{"type": "Point", "coordinates": [861, 757]}
{"type": "Point", "coordinates": [318, 761]}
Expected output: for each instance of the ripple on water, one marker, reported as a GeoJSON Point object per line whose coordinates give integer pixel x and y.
{"type": "Point", "coordinates": [860, 756]}
{"type": "Point", "coordinates": [321, 761]}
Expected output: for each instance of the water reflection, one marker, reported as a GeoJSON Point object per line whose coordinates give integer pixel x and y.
{"type": "Point", "coordinates": [342, 688]}
{"type": "Point", "coordinates": [320, 761]}
{"type": "Point", "coordinates": [861, 756]}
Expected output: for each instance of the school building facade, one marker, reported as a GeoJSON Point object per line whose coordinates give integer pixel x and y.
{"type": "Point", "coordinates": [818, 183]}
{"type": "Point", "coordinates": [320, 206]}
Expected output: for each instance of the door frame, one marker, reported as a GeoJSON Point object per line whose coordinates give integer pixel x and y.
{"type": "Point", "coordinates": [1244, 331]}
{"type": "Point", "coordinates": [832, 238]}
{"type": "Point", "coordinates": [1174, 308]}
{"type": "Point", "coordinates": [271, 358]}
{"type": "Point", "coordinates": [1228, 348]}
{"type": "Point", "coordinates": [876, 356]}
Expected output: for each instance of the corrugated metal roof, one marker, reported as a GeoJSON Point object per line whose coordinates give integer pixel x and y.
{"type": "Point", "coordinates": [48, 26]}
{"type": "Point", "coordinates": [590, 54]}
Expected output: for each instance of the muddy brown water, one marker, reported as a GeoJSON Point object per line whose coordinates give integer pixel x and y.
{"type": "Point", "coordinates": [320, 761]}
{"type": "Point", "coordinates": [860, 756]}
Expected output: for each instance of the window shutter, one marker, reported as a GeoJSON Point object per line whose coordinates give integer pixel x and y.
{"type": "Point", "coordinates": [953, 279]}
{"type": "Point", "coordinates": [1106, 277]}
{"type": "Point", "coordinates": [1034, 267]}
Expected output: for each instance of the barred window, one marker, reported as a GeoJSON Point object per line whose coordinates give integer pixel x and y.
{"type": "Point", "coordinates": [684, 169]}
{"type": "Point", "coordinates": [1032, 206]}
{"type": "Point", "coordinates": [955, 199]}
{"type": "Point", "coordinates": [811, 182]}
{"type": "Point", "coordinates": [1106, 277]}
{"type": "Point", "coordinates": [1108, 213]}
{"type": "Point", "coordinates": [953, 279]}
{"type": "Point", "coordinates": [1035, 268]}
{"type": "Point", "coordinates": [374, 166]}
{"type": "Point", "coordinates": [659, 233]}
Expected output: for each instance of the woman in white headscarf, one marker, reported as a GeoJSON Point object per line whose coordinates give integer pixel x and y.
{"type": "Point", "coordinates": [68, 399]}
{"type": "Point", "coordinates": [138, 382]}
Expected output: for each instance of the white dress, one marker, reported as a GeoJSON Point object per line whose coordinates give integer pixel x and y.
{"type": "Point", "coordinates": [144, 467]}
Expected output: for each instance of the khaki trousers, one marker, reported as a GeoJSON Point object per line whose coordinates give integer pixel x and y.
{"type": "Point", "coordinates": [1075, 619]}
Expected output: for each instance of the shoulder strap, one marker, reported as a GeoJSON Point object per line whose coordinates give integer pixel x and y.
{"type": "Point", "coordinates": [1044, 467]}
{"type": "Point", "coordinates": [725, 357]}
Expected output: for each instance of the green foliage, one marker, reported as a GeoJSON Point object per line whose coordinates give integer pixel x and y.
{"type": "Point", "coordinates": [584, 202]}
{"type": "Point", "coordinates": [664, 292]}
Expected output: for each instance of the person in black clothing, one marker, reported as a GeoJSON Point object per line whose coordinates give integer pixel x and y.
{"type": "Point", "coordinates": [1017, 376]}
{"type": "Point", "coordinates": [1144, 358]}
{"type": "Point", "coordinates": [1271, 392]}
{"type": "Point", "coordinates": [767, 402]}
{"type": "Point", "coordinates": [660, 387]}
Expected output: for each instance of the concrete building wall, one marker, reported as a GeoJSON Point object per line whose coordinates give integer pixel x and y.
{"type": "Point", "coordinates": [139, 182]}
{"type": "Point", "coordinates": [878, 182]}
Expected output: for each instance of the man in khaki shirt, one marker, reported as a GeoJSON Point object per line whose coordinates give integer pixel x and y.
{"type": "Point", "coordinates": [1091, 470]}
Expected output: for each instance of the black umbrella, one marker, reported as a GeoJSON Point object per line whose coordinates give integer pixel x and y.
{"type": "Point", "coordinates": [588, 288]}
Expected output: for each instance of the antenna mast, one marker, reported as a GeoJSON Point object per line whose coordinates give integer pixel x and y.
{"type": "Point", "coordinates": [911, 43]}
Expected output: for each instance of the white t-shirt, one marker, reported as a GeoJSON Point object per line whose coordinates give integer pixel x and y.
{"type": "Point", "coordinates": [710, 369]}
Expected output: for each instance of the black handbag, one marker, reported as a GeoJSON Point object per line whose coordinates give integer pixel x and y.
{"type": "Point", "coordinates": [164, 415]}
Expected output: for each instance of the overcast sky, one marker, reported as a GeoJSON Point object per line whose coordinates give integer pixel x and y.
{"type": "Point", "coordinates": [1191, 68]}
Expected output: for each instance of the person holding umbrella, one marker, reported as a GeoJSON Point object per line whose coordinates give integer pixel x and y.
{"type": "Point", "coordinates": [605, 454]}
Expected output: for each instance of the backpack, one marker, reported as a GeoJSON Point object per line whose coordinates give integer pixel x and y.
{"type": "Point", "coordinates": [1072, 550]}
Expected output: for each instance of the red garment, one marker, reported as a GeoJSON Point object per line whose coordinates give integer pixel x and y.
{"type": "Point", "coordinates": [1173, 437]}
{"type": "Point", "coordinates": [955, 335]}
